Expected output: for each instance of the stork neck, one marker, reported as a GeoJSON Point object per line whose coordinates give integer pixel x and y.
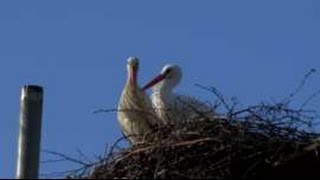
{"type": "Point", "coordinates": [163, 92]}
{"type": "Point", "coordinates": [132, 77]}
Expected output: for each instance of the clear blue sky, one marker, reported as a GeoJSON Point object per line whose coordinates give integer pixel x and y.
{"type": "Point", "coordinates": [77, 50]}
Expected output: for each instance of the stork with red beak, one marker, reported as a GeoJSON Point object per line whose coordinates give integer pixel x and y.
{"type": "Point", "coordinates": [172, 108]}
{"type": "Point", "coordinates": [135, 114]}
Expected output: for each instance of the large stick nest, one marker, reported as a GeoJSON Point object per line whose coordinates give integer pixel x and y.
{"type": "Point", "coordinates": [261, 141]}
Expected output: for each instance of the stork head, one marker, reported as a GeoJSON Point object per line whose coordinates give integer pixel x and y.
{"type": "Point", "coordinates": [133, 63]}
{"type": "Point", "coordinates": [169, 77]}
{"type": "Point", "coordinates": [133, 68]}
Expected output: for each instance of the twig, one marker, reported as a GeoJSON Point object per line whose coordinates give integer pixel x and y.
{"type": "Point", "coordinates": [67, 158]}
{"type": "Point", "coordinates": [217, 94]}
{"type": "Point", "coordinates": [288, 99]}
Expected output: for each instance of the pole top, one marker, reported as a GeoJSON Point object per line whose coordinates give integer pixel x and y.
{"type": "Point", "coordinates": [34, 88]}
{"type": "Point", "coordinates": [32, 92]}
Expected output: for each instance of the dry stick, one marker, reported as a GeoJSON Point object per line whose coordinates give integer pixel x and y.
{"type": "Point", "coordinates": [170, 145]}
{"type": "Point", "coordinates": [288, 99]}
{"type": "Point", "coordinates": [217, 94]}
{"type": "Point", "coordinates": [311, 97]}
{"type": "Point", "coordinates": [83, 156]}
{"type": "Point", "coordinates": [84, 168]}
{"type": "Point", "coordinates": [67, 158]}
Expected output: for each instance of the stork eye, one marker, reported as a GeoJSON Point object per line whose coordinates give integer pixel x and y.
{"type": "Point", "coordinates": [168, 71]}
{"type": "Point", "coordinates": [135, 63]}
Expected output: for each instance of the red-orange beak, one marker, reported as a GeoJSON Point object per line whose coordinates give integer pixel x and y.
{"type": "Point", "coordinates": [155, 81]}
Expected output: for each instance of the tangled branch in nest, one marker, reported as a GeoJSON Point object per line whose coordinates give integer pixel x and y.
{"type": "Point", "coordinates": [212, 148]}
{"type": "Point", "coordinates": [253, 142]}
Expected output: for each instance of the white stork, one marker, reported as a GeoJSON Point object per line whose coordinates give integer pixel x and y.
{"type": "Point", "coordinates": [173, 108]}
{"type": "Point", "coordinates": [135, 114]}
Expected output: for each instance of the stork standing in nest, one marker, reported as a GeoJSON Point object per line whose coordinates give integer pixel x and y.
{"type": "Point", "coordinates": [172, 108]}
{"type": "Point", "coordinates": [135, 114]}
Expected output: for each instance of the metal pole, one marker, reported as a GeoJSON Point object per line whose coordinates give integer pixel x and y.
{"type": "Point", "coordinates": [29, 132]}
